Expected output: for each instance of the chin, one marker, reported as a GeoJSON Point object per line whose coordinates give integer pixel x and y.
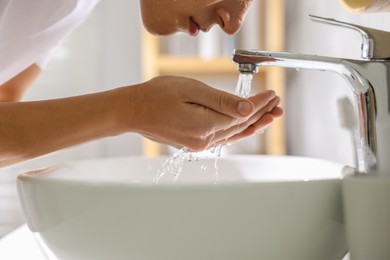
{"type": "Point", "coordinates": [154, 31]}
{"type": "Point", "coordinates": [157, 29]}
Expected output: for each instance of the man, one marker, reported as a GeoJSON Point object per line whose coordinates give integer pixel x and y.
{"type": "Point", "coordinates": [158, 109]}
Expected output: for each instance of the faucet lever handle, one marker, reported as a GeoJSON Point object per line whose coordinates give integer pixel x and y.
{"type": "Point", "coordinates": [375, 42]}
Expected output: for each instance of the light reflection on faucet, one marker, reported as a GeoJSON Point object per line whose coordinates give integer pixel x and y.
{"type": "Point", "coordinates": [369, 81]}
{"type": "Point", "coordinates": [357, 74]}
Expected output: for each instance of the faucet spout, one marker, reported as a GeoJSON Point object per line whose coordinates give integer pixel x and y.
{"type": "Point", "coordinates": [367, 79]}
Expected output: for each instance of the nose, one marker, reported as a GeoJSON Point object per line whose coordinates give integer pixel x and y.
{"type": "Point", "coordinates": [229, 23]}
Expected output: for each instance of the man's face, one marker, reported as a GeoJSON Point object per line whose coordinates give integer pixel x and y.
{"type": "Point", "coordinates": [164, 17]}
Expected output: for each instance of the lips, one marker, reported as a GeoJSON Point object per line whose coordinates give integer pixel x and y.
{"type": "Point", "coordinates": [194, 28]}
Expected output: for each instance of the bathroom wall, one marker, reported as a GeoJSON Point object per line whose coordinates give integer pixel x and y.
{"type": "Point", "coordinates": [313, 125]}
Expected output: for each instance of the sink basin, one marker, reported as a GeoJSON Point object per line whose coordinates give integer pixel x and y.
{"type": "Point", "coordinates": [255, 207]}
{"type": "Point", "coordinates": [367, 214]}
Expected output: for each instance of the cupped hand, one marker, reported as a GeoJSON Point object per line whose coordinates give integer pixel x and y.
{"type": "Point", "coordinates": [183, 112]}
{"type": "Point", "coordinates": [256, 124]}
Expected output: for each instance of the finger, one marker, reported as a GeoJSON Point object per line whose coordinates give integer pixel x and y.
{"type": "Point", "coordinates": [246, 129]}
{"type": "Point", "coordinates": [277, 112]}
{"type": "Point", "coordinates": [239, 136]}
{"type": "Point", "coordinates": [249, 121]}
{"type": "Point", "coordinates": [264, 122]}
{"type": "Point", "coordinates": [222, 114]}
{"type": "Point", "coordinates": [268, 108]}
{"type": "Point", "coordinates": [257, 128]}
{"type": "Point", "coordinates": [224, 102]}
{"type": "Point", "coordinates": [261, 99]}
{"type": "Point", "coordinates": [233, 134]}
{"type": "Point", "coordinates": [262, 107]}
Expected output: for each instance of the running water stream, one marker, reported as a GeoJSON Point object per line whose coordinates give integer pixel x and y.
{"type": "Point", "coordinates": [243, 88]}
{"type": "Point", "coordinates": [174, 164]}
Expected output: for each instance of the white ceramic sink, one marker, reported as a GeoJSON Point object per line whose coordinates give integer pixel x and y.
{"type": "Point", "coordinates": [367, 216]}
{"type": "Point", "coordinates": [263, 207]}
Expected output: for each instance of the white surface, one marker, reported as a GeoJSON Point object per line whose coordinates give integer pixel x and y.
{"type": "Point", "coordinates": [367, 213]}
{"type": "Point", "coordinates": [20, 244]}
{"type": "Point", "coordinates": [110, 209]}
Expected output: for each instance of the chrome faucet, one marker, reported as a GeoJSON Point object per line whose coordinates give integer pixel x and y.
{"type": "Point", "coordinates": [368, 78]}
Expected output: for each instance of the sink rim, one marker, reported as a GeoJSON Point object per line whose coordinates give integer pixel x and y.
{"type": "Point", "coordinates": [45, 175]}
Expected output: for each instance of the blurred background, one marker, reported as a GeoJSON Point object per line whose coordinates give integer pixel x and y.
{"type": "Point", "coordinates": [111, 50]}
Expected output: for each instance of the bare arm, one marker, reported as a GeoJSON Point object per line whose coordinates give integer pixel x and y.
{"type": "Point", "coordinates": [172, 110]}
{"type": "Point", "coordinates": [14, 89]}
{"type": "Point", "coordinates": [31, 129]}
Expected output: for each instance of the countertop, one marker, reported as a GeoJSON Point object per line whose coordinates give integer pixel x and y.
{"type": "Point", "coordinates": [20, 244]}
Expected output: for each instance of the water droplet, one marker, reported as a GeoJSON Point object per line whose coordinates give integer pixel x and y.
{"type": "Point", "coordinates": [218, 150]}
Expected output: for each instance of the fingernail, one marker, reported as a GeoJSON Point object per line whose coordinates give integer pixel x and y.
{"type": "Point", "coordinates": [244, 108]}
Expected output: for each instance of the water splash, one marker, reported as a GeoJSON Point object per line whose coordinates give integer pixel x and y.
{"type": "Point", "coordinates": [218, 154]}
{"type": "Point", "coordinates": [174, 165]}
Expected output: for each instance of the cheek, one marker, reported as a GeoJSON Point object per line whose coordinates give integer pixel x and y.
{"type": "Point", "coordinates": [158, 20]}
{"type": "Point", "coordinates": [150, 14]}
{"type": "Point", "coordinates": [162, 16]}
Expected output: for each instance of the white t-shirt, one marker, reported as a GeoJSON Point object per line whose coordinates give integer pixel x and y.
{"type": "Point", "coordinates": [30, 29]}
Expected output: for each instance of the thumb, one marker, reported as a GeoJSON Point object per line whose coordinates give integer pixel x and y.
{"type": "Point", "coordinates": [233, 105]}
{"type": "Point", "coordinates": [245, 108]}
{"type": "Point", "coordinates": [223, 102]}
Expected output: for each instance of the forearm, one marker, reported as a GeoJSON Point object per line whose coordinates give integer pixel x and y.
{"type": "Point", "coordinates": [32, 129]}
{"type": "Point", "coordinates": [13, 89]}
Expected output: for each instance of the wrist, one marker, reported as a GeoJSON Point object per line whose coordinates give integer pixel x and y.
{"type": "Point", "coordinates": [125, 110]}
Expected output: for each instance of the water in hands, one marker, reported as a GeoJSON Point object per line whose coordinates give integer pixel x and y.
{"type": "Point", "coordinates": [173, 166]}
